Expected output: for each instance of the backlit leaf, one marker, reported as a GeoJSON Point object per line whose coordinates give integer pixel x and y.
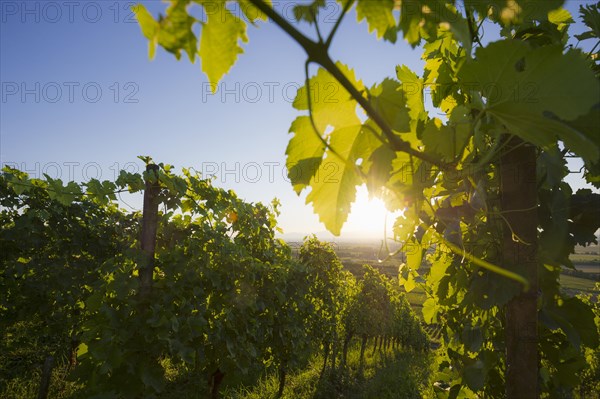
{"type": "Point", "coordinates": [388, 100]}
{"type": "Point", "coordinates": [378, 14]}
{"type": "Point", "coordinates": [174, 32]}
{"type": "Point", "coordinates": [331, 104]}
{"type": "Point", "coordinates": [528, 91]}
{"type": "Point", "coordinates": [219, 43]}
{"type": "Point", "coordinates": [148, 25]}
{"type": "Point", "coordinates": [304, 153]}
{"type": "Point", "coordinates": [334, 185]}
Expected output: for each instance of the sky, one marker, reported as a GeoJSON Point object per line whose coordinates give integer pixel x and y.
{"type": "Point", "coordinates": [80, 99]}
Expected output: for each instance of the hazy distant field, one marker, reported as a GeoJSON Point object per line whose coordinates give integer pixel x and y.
{"type": "Point", "coordinates": [577, 283]}
{"type": "Point", "coordinates": [587, 268]}
{"type": "Point", "coordinates": [354, 255]}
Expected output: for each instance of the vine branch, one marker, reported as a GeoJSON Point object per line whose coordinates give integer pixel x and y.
{"type": "Point", "coordinates": [318, 52]}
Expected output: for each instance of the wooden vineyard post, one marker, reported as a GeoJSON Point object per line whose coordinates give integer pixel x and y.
{"type": "Point", "coordinates": [519, 208]}
{"type": "Point", "coordinates": [149, 226]}
{"type": "Point", "coordinates": [46, 377]}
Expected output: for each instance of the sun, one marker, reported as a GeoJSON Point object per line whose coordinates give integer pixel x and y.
{"type": "Point", "coordinates": [368, 216]}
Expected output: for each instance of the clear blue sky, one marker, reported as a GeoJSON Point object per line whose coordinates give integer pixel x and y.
{"type": "Point", "coordinates": [80, 98]}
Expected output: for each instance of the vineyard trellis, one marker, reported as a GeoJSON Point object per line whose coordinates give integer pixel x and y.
{"type": "Point", "coordinates": [498, 257]}
{"type": "Point", "coordinates": [223, 298]}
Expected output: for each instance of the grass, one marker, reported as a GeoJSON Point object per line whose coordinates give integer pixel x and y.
{"type": "Point", "coordinates": [27, 386]}
{"type": "Point", "coordinates": [390, 375]}
{"type": "Point", "coordinates": [393, 374]}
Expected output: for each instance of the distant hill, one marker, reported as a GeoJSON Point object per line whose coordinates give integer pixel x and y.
{"type": "Point", "coordinates": [346, 237]}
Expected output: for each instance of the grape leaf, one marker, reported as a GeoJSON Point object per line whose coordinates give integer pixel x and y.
{"type": "Point", "coordinates": [439, 78]}
{"type": "Point", "coordinates": [174, 31]}
{"type": "Point", "coordinates": [379, 17]}
{"type": "Point", "coordinates": [472, 338]}
{"type": "Point", "coordinates": [422, 18]}
{"type": "Point", "coordinates": [63, 194]}
{"type": "Point", "coordinates": [474, 375]}
{"type": "Point", "coordinates": [409, 283]}
{"type": "Point", "coordinates": [414, 256]}
{"type": "Point", "coordinates": [561, 18]}
{"type": "Point", "coordinates": [304, 153]}
{"type": "Point", "coordinates": [378, 167]}
{"type": "Point", "coordinates": [149, 27]}
{"type": "Point", "coordinates": [591, 18]}
{"type": "Point", "coordinates": [430, 311]}
{"type": "Point", "coordinates": [308, 12]}
{"type": "Point", "coordinates": [251, 12]}
{"type": "Point", "coordinates": [331, 104]}
{"type": "Point", "coordinates": [219, 43]}
{"type": "Point", "coordinates": [389, 102]}
{"type": "Point", "coordinates": [412, 89]}
{"type": "Point", "coordinates": [510, 12]}
{"type": "Point", "coordinates": [334, 185]}
{"type": "Point", "coordinates": [447, 141]}
{"type": "Point", "coordinates": [527, 91]}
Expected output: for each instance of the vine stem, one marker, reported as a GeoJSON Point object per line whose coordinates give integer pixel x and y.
{"type": "Point", "coordinates": [485, 264]}
{"type": "Point", "coordinates": [349, 4]}
{"type": "Point", "coordinates": [591, 53]}
{"type": "Point", "coordinates": [318, 52]}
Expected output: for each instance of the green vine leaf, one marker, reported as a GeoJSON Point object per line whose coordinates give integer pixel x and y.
{"type": "Point", "coordinates": [389, 101]}
{"type": "Point", "coordinates": [378, 167]}
{"type": "Point", "coordinates": [149, 27]}
{"type": "Point", "coordinates": [304, 153]}
{"type": "Point", "coordinates": [528, 92]}
{"type": "Point", "coordinates": [333, 183]}
{"type": "Point", "coordinates": [421, 19]}
{"type": "Point", "coordinates": [474, 375]}
{"type": "Point", "coordinates": [412, 89]}
{"type": "Point", "coordinates": [251, 12]}
{"type": "Point", "coordinates": [591, 17]}
{"type": "Point", "coordinates": [448, 141]}
{"type": "Point", "coordinates": [509, 12]}
{"type": "Point", "coordinates": [331, 104]}
{"type": "Point", "coordinates": [309, 12]}
{"type": "Point", "coordinates": [333, 188]}
{"type": "Point", "coordinates": [174, 31]}
{"type": "Point", "coordinates": [430, 311]}
{"type": "Point", "coordinates": [63, 194]}
{"type": "Point", "coordinates": [219, 43]}
{"type": "Point", "coordinates": [379, 17]}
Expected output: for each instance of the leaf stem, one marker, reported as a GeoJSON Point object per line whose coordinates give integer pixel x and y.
{"type": "Point", "coordinates": [317, 26]}
{"type": "Point", "coordinates": [346, 8]}
{"type": "Point", "coordinates": [591, 53]}
{"type": "Point", "coordinates": [485, 264]}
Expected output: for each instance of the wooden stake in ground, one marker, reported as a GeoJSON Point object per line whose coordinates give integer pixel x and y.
{"type": "Point", "coordinates": [518, 202]}
{"type": "Point", "coordinates": [46, 376]}
{"type": "Point", "coordinates": [149, 227]}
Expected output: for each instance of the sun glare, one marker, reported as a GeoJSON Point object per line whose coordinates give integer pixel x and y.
{"type": "Point", "coordinates": [368, 216]}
